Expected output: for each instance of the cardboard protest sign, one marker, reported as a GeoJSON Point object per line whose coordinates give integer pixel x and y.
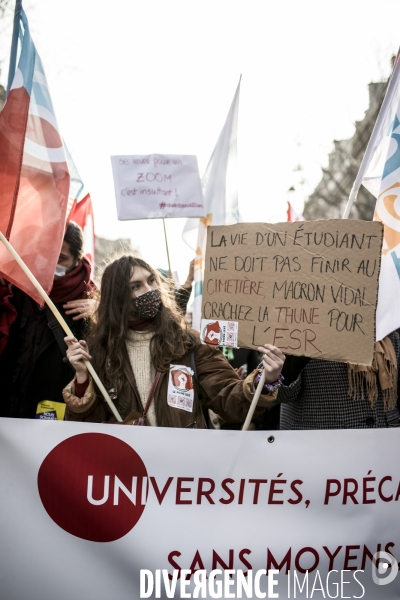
{"type": "Point", "coordinates": [309, 288]}
{"type": "Point", "coordinates": [157, 186]}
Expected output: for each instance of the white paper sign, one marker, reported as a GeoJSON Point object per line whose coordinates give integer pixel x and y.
{"type": "Point", "coordinates": [85, 507]}
{"type": "Point", "coordinates": [157, 186]}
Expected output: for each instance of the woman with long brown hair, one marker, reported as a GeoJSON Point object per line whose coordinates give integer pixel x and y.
{"type": "Point", "coordinates": [144, 353]}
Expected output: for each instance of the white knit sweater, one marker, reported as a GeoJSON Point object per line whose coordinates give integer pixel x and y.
{"type": "Point", "coordinates": [138, 346]}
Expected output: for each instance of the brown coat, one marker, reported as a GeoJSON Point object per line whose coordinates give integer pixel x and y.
{"type": "Point", "coordinates": [221, 390]}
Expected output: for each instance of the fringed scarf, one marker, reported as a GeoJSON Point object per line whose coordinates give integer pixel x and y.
{"type": "Point", "coordinates": [364, 379]}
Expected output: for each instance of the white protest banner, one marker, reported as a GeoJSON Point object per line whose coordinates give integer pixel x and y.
{"type": "Point", "coordinates": [92, 511]}
{"type": "Point", "coordinates": [309, 288]}
{"type": "Point", "coordinates": [157, 186]}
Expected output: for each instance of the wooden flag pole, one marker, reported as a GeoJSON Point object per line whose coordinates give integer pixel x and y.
{"type": "Point", "coordinates": [166, 245]}
{"type": "Point", "coordinates": [62, 322]}
{"type": "Point", "coordinates": [254, 402]}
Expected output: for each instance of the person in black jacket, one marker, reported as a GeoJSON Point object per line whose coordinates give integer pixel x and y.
{"type": "Point", "coordinates": [182, 293]}
{"type": "Point", "coordinates": [32, 368]}
{"type": "Point", "coordinates": [323, 394]}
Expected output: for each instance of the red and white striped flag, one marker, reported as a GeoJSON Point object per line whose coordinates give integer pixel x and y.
{"type": "Point", "coordinates": [34, 176]}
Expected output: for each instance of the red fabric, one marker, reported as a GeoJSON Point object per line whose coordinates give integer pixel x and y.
{"type": "Point", "coordinates": [8, 314]}
{"type": "Point", "coordinates": [33, 195]}
{"type": "Point", "coordinates": [82, 214]}
{"type": "Point", "coordinates": [292, 215]}
{"type": "Point", "coordinates": [80, 388]}
{"type": "Point", "coordinates": [12, 136]}
{"type": "Point", "coordinates": [75, 285]}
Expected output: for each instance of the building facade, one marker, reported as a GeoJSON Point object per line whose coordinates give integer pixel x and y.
{"type": "Point", "coordinates": [329, 198]}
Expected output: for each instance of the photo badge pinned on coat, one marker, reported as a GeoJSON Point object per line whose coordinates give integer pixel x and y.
{"type": "Point", "coordinates": [219, 333]}
{"type": "Point", "coordinates": [180, 387]}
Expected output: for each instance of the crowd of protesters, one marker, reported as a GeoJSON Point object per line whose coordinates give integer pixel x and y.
{"type": "Point", "coordinates": [133, 332]}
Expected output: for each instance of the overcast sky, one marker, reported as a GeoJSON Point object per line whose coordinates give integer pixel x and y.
{"type": "Point", "coordinates": [142, 77]}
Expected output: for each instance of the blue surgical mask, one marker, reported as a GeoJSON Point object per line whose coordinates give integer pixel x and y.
{"type": "Point", "coordinates": [60, 271]}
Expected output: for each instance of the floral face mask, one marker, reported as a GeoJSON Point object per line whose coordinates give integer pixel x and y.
{"type": "Point", "coordinates": [147, 305]}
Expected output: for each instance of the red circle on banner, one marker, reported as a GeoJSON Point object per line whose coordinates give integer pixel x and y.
{"type": "Point", "coordinates": [93, 486]}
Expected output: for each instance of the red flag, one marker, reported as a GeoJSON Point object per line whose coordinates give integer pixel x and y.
{"type": "Point", "coordinates": [292, 215]}
{"type": "Point", "coordinates": [34, 177]}
{"type": "Point", "coordinates": [82, 214]}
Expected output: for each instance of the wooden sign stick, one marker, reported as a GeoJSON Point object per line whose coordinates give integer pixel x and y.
{"type": "Point", "coordinates": [254, 402]}
{"type": "Point", "coordinates": [166, 245]}
{"type": "Point", "coordinates": [62, 322]}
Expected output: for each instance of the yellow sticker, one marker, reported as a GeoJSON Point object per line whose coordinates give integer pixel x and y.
{"type": "Point", "coordinates": [50, 411]}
